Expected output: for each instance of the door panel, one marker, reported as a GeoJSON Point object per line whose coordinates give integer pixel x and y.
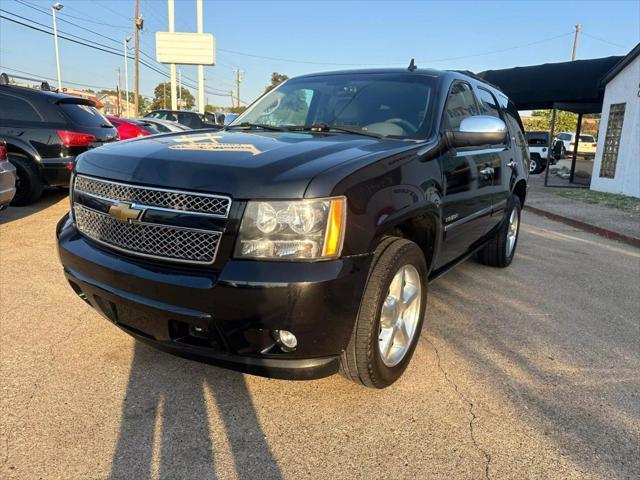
{"type": "Point", "coordinates": [468, 181]}
{"type": "Point", "coordinates": [467, 202]}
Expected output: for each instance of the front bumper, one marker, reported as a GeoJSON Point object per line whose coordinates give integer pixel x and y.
{"type": "Point", "coordinates": [7, 183]}
{"type": "Point", "coordinates": [224, 317]}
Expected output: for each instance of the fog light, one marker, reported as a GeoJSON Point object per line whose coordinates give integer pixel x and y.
{"type": "Point", "coordinates": [287, 340]}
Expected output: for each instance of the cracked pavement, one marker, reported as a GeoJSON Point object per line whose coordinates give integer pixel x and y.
{"type": "Point", "coordinates": [529, 372]}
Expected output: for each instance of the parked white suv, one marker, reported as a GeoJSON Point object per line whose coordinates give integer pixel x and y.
{"type": "Point", "coordinates": [538, 144]}
{"type": "Point", "coordinates": [586, 145]}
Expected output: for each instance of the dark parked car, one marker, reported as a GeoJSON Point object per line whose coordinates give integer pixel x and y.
{"type": "Point", "coordinates": [7, 177]}
{"type": "Point", "coordinates": [45, 131]}
{"type": "Point", "coordinates": [300, 240]}
{"type": "Point", "coordinates": [189, 119]}
{"type": "Point", "coordinates": [131, 128]}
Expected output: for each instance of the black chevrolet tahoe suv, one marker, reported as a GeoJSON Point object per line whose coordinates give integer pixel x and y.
{"type": "Point", "coordinates": [300, 240]}
{"type": "Point", "coordinates": [45, 131]}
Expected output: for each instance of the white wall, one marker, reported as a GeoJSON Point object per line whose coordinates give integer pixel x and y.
{"type": "Point", "coordinates": [624, 88]}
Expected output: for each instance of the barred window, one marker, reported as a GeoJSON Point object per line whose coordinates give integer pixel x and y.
{"type": "Point", "coordinates": [612, 140]}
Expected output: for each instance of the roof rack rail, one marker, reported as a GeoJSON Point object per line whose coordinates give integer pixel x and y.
{"type": "Point", "coordinates": [5, 79]}
{"type": "Point", "coordinates": [475, 76]}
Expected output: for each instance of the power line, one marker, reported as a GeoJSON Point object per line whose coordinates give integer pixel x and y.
{"type": "Point", "coordinates": [605, 41]}
{"type": "Point", "coordinates": [105, 50]}
{"type": "Point", "coordinates": [47, 26]}
{"type": "Point", "coordinates": [35, 75]}
{"type": "Point", "coordinates": [83, 19]}
{"type": "Point", "coordinates": [62, 19]}
{"type": "Point", "coordinates": [117, 42]}
{"type": "Point", "coordinates": [304, 62]}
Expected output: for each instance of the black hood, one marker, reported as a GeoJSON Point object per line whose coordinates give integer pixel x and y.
{"type": "Point", "coordinates": [243, 165]}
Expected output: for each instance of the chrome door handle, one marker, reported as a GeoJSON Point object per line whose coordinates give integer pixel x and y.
{"type": "Point", "coordinates": [486, 171]}
{"type": "Point", "coordinates": [512, 164]}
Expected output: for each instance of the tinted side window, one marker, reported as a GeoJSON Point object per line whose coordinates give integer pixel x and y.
{"type": "Point", "coordinates": [461, 103]}
{"type": "Point", "coordinates": [14, 108]}
{"type": "Point", "coordinates": [190, 120]}
{"type": "Point", "coordinates": [488, 104]}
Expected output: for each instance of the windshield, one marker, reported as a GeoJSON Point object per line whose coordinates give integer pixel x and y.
{"type": "Point", "coordinates": [395, 105]}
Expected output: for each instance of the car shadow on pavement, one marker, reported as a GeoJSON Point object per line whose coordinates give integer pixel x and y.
{"type": "Point", "coordinates": [181, 419]}
{"type": "Point", "coordinates": [49, 197]}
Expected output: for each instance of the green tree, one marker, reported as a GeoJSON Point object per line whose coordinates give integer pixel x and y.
{"type": "Point", "coordinates": [540, 121]}
{"type": "Point", "coordinates": [276, 79]}
{"type": "Point", "coordinates": [162, 97]}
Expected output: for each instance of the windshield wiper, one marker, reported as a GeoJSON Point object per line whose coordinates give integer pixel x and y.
{"type": "Point", "coordinates": [256, 125]}
{"type": "Point", "coordinates": [323, 127]}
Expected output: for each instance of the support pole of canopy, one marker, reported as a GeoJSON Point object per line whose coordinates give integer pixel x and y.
{"type": "Point", "coordinates": [549, 156]}
{"type": "Point", "coordinates": [575, 148]}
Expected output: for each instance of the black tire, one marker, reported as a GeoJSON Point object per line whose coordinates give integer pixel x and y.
{"type": "Point", "coordinates": [534, 166]}
{"type": "Point", "coordinates": [28, 182]}
{"type": "Point", "coordinates": [361, 362]}
{"type": "Point", "coordinates": [495, 253]}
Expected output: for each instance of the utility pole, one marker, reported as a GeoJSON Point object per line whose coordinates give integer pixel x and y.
{"type": "Point", "coordinates": [55, 8]}
{"type": "Point", "coordinates": [575, 41]}
{"type": "Point", "coordinates": [118, 107]}
{"type": "Point", "coordinates": [172, 21]}
{"type": "Point", "coordinates": [137, 26]}
{"type": "Point", "coordinates": [200, 67]}
{"type": "Point", "coordinates": [232, 100]}
{"type": "Point", "coordinates": [164, 95]}
{"type": "Point", "coordinates": [238, 81]}
{"type": "Point", "coordinates": [126, 73]}
{"type": "Point", "coordinates": [179, 88]}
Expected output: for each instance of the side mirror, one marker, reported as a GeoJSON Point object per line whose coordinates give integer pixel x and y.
{"type": "Point", "coordinates": [478, 131]}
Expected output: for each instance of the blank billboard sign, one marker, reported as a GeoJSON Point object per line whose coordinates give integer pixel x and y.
{"type": "Point", "coordinates": [185, 48]}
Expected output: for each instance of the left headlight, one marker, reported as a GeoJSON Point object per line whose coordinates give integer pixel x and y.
{"type": "Point", "coordinates": [293, 230]}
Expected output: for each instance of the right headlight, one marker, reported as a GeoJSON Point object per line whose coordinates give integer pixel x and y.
{"type": "Point", "coordinates": [293, 230]}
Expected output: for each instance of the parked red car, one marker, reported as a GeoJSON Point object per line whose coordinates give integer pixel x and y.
{"type": "Point", "coordinates": [129, 128]}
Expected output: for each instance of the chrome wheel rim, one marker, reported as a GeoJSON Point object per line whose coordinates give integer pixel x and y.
{"type": "Point", "coordinates": [532, 166]}
{"type": "Point", "coordinates": [399, 315]}
{"type": "Point", "coordinates": [512, 232]}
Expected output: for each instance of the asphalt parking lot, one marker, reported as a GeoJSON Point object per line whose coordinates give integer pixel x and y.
{"type": "Point", "coordinates": [529, 372]}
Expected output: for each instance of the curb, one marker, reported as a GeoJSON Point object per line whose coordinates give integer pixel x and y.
{"type": "Point", "coordinates": [603, 232]}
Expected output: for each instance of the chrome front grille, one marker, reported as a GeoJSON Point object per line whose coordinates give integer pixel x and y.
{"type": "Point", "coordinates": [192, 202]}
{"type": "Point", "coordinates": [151, 240]}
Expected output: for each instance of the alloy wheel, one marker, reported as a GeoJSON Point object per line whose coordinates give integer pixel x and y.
{"type": "Point", "coordinates": [399, 315]}
{"type": "Point", "coordinates": [512, 232]}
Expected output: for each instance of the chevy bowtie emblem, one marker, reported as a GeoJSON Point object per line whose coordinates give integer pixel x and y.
{"type": "Point", "coordinates": [125, 212]}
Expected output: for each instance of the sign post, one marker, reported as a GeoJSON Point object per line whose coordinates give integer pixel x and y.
{"type": "Point", "coordinates": [184, 48]}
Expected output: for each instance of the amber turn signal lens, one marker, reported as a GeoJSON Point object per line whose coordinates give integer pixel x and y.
{"type": "Point", "coordinates": [335, 228]}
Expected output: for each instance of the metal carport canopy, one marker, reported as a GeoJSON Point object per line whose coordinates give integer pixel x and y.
{"type": "Point", "coordinates": [573, 86]}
